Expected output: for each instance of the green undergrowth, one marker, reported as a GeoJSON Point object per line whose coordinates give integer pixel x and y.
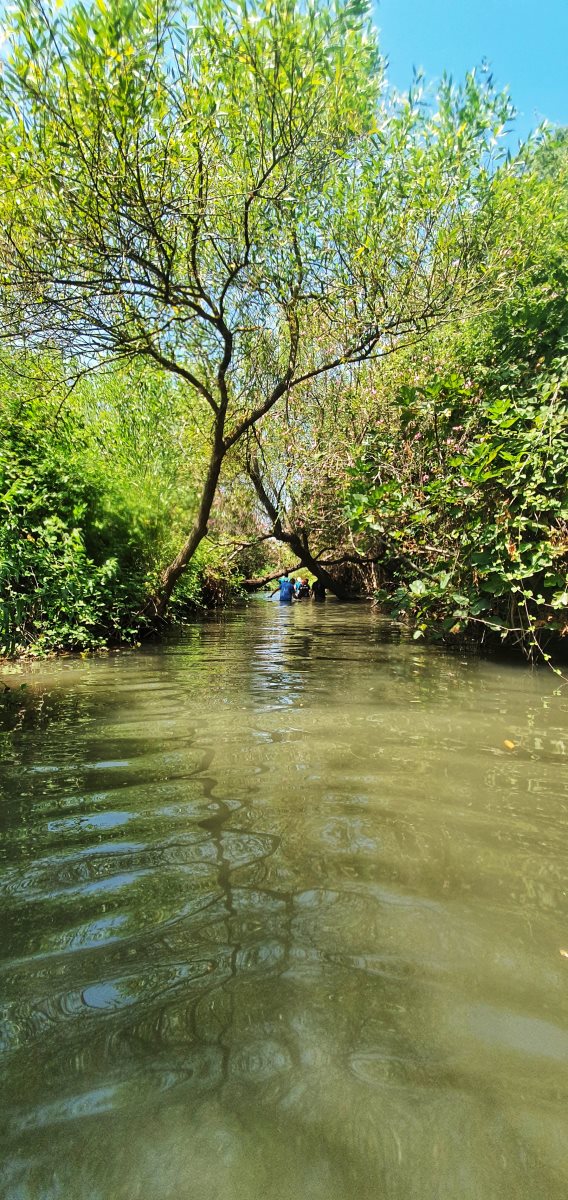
{"type": "Point", "coordinates": [86, 520]}
{"type": "Point", "coordinates": [466, 494]}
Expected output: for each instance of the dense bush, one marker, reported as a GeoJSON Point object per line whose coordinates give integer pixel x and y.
{"type": "Point", "coordinates": [461, 487]}
{"type": "Point", "coordinates": [73, 552]}
{"type": "Point", "coordinates": [467, 488]}
{"type": "Point", "coordinates": [90, 505]}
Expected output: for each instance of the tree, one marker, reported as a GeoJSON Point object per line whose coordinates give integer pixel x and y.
{"type": "Point", "coordinates": [464, 482]}
{"type": "Point", "coordinates": [84, 520]}
{"type": "Point", "coordinates": [228, 191]}
{"type": "Point", "coordinates": [298, 463]}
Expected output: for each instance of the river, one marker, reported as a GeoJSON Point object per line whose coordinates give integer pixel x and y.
{"type": "Point", "coordinates": [284, 907]}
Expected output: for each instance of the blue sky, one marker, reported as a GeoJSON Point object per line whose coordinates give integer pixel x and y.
{"type": "Point", "coordinates": [524, 41]}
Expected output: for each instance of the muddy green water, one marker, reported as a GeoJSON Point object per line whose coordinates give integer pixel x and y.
{"type": "Point", "coordinates": [282, 919]}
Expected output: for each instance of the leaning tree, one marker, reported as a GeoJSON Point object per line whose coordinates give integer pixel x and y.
{"type": "Point", "coordinates": [225, 188]}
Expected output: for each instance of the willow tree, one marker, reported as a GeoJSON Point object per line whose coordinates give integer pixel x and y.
{"type": "Point", "coordinates": [223, 187]}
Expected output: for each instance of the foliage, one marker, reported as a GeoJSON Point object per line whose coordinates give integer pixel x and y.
{"type": "Point", "coordinates": [297, 464]}
{"type": "Point", "coordinates": [83, 525]}
{"type": "Point", "coordinates": [482, 534]}
{"type": "Point", "coordinates": [219, 224]}
{"type": "Point", "coordinates": [230, 192]}
{"type": "Point", "coordinates": [464, 482]}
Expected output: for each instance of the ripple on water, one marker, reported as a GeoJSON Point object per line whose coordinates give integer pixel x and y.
{"type": "Point", "coordinates": [258, 1061]}
{"type": "Point", "coordinates": [113, 995]}
{"type": "Point", "coordinates": [86, 822]}
{"type": "Point", "coordinates": [276, 895]}
{"type": "Point", "coordinates": [81, 871]}
{"type": "Point", "coordinates": [202, 1069]}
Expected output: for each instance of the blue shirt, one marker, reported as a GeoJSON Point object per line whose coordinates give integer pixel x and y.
{"type": "Point", "coordinates": [286, 589]}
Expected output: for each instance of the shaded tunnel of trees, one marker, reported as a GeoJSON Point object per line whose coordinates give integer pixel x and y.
{"type": "Point", "coordinates": [260, 311]}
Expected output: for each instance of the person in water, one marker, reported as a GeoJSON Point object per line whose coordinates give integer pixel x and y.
{"type": "Point", "coordinates": [286, 587]}
{"type": "Point", "coordinates": [302, 589]}
{"type": "Point", "coordinates": [318, 590]}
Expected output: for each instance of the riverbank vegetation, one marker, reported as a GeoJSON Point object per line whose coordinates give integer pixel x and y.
{"type": "Point", "coordinates": [259, 310]}
{"type": "Point", "coordinates": [460, 491]}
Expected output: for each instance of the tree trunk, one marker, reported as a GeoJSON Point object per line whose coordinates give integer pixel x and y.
{"type": "Point", "coordinates": [295, 542]}
{"type": "Point", "coordinates": [292, 539]}
{"type": "Point", "coordinates": [253, 585]}
{"type": "Point", "coordinates": [157, 604]}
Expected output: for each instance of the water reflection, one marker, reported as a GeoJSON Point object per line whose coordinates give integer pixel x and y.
{"type": "Point", "coordinates": [282, 916]}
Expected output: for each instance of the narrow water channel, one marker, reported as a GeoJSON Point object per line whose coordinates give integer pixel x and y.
{"type": "Point", "coordinates": [283, 919]}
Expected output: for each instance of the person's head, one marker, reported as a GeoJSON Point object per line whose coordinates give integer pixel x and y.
{"type": "Point", "coordinates": [305, 580]}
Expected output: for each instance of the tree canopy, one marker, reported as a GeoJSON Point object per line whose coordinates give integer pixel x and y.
{"type": "Point", "coordinates": [231, 193]}
{"type": "Point", "coordinates": [257, 304]}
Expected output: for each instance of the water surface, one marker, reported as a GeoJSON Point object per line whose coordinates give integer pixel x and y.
{"type": "Point", "coordinates": [283, 917]}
